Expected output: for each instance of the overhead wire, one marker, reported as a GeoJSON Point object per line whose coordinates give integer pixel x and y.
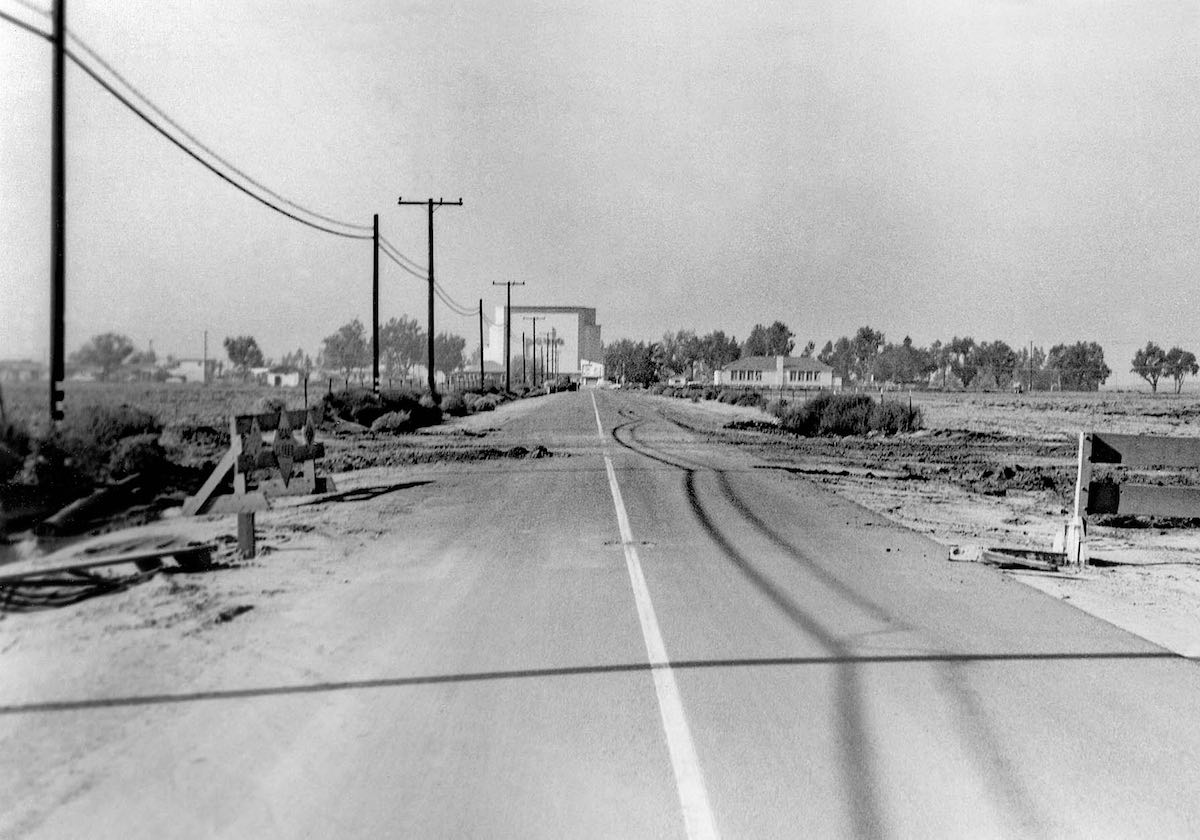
{"type": "Point", "coordinates": [124, 100]}
{"type": "Point", "coordinates": [99, 59]}
{"type": "Point", "coordinates": [33, 7]}
{"type": "Point", "coordinates": [83, 65]}
{"type": "Point", "coordinates": [28, 27]}
{"type": "Point", "coordinates": [389, 250]}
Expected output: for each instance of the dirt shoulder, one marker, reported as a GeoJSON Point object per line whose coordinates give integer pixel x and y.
{"type": "Point", "coordinates": [998, 471]}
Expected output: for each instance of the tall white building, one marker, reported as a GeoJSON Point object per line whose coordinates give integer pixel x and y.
{"type": "Point", "coordinates": [568, 337]}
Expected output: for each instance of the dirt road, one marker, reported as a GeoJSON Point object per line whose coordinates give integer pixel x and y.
{"type": "Point", "coordinates": [647, 634]}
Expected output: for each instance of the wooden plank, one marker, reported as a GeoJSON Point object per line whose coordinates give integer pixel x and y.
{"type": "Point", "coordinates": [297, 417]}
{"type": "Point", "coordinates": [111, 560]}
{"type": "Point", "coordinates": [1144, 500]}
{"type": "Point", "coordinates": [239, 503]}
{"type": "Point", "coordinates": [192, 505]}
{"type": "Point", "coordinates": [1145, 451]}
{"type": "Point", "coordinates": [266, 459]}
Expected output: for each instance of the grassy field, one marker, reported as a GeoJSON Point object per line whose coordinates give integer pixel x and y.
{"type": "Point", "coordinates": [173, 404]}
{"type": "Point", "coordinates": [1019, 415]}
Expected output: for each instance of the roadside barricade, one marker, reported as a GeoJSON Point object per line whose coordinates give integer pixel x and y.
{"type": "Point", "coordinates": [1128, 498]}
{"type": "Point", "coordinates": [263, 469]}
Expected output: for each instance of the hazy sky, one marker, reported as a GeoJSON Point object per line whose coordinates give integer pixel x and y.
{"type": "Point", "coordinates": [1016, 170]}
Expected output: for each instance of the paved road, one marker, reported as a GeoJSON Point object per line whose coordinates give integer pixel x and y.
{"type": "Point", "coordinates": [658, 637]}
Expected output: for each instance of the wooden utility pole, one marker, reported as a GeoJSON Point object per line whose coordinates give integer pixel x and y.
{"type": "Point", "coordinates": [430, 203]}
{"type": "Point", "coordinates": [535, 319]}
{"type": "Point", "coordinates": [375, 311]}
{"type": "Point", "coordinates": [481, 344]}
{"type": "Point", "coordinates": [524, 375]}
{"type": "Point", "coordinates": [58, 215]}
{"type": "Point", "coordinates": [508, 329]}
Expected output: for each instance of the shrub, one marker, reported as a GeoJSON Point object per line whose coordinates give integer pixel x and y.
{"type": "Point", "coordinates": [455, 405]}
{"type": "Point", "coordinates": [271, 404]}
{"type": "Point", "coordinates": [137, 454]}
{"type": "Point", "coordinates": [393, 422]}
{"type": "Point", "coordinates": [893, 417]}
{"type": "Point", "coordinates": [82, 448]}
{"type": "Point", "coordinates": [750, 399]}
{"type": "Point", "coordinates": [102, 426]}
{"type": "Point", "coordinates": [486, 404]}
{"type": "Point", "coordinates": [14, 446]}
{"type": "Point", "coordinates": [803, 419]}
{"type": "Point", "coordinates": [847, 414]}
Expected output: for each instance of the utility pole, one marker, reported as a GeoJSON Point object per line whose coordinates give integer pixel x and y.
{"type": "Point", "coordinates": [375, 311]}
{"type": "Point", "coordinates": [535, 319]}
{"type": "Point", "coordinates": [524, 376]}
{"type": "Point", "coordinates": [554, 352]}
{"type": "Point", "coordinates": [204, 369]}
{"type": "Point", "coordinates": [481, 344]}
{"type": "Point", "coordinates": [508, 328]}
{"type": "Point", "coordinates": [58, 215]}
{"type": "Point", "coordinates": [430, 203]}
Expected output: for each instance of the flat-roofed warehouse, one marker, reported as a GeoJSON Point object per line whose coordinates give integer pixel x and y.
{"type": "Point", "coordinates": [573, 329]}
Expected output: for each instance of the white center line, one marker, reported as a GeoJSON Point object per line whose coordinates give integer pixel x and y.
{"type": "Point", "coordinates": [689, 781]}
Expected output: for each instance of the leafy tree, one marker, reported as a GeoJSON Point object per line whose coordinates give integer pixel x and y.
{"type": "Point", "coordinates": [808, 350]}
{"type": "Point", "coordinates": [143, 357]}
{"type": "Point", "coordinates": [680, 351]}
{"type": "Point", "coordinates": [839, 356]}
{"type": "Point", "coordinates": [996, 359]}
{"type": "Point", "coordinates": [298, 361]}
{"type": "Point", "coordinates": [866, 345]}
{"type": "Point", "coordinates": [775, 340]}
{"type": "Point", "coordinates": [903, 363]}
{"type": "Point", "coordinates": [347, 349]}
{"type": "Point", "coordinates": [1149, 363]}
{"type": "Point", "coordinates": [631, 361]}
{"type": "Point", "coordinates": [448, 352]}
{"type": "Point", "coordinates": [1180, 363]}
{"type": "Point", "coordinates": [961, 353]}
{"type": "Point", "coordinates": [107, 351]}
{"type": "Point", "coordinates": [1029, 364]}
{"type": "Point", "coordinates": [716, 350]}
{"type": "Point", "coordinates": [1080, 366]}
{"type": "Point", "coordinates": [402, 344]}
{"type": "Point", "coordinates": [243, 352]}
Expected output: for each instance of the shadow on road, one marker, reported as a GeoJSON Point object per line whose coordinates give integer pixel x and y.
{"type": "Point", "coordinates": [545, 673]}
{"type": "Point", "coordinates": [365, 494]}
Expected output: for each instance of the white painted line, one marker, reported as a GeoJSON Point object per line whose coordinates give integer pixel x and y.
{"type": "Point", "coordinates": [689, 781]}
{"type": "Point", "coordinates": [595, 408]}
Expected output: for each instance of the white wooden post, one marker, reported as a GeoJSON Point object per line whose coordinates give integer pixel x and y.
{"type": "Point", "coordinates": [1076, 541]}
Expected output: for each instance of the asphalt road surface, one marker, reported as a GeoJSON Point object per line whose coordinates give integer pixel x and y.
{"type": "Point", "coordinates": [659, 637]}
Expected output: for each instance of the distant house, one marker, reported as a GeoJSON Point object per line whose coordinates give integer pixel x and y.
{"type": "Point", "coordinates": [22, 370]}
{"type": "Point", "coordinates": [282, 377]}
{"type": "Point", "coordinates": [192, 370]}
{"type": "Point", "coordinates": [776, 372]}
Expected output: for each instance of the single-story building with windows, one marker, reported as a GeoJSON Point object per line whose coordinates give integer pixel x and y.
{"type": "Point", "coordinates": [776, 372]}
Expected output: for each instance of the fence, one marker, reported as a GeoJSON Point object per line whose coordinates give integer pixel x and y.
{"type": "Point", "coordinates": [1129, 498]}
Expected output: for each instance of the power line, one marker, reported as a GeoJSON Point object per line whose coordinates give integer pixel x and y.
{"type": "Point", "coordinates": [416, 265]}
{"type": "Point", "coordinates": [396, 256]}
{"type": "Point", "coordinates": [79, 62]}
{"type": "Point", "coordinates": [26, 26]}
{"type": "Point", "coordinates": [33, 7]}
{"type": "Point", "coordinates": [208, 150]}
{"type": "Point", "coordinates": [124, 101]}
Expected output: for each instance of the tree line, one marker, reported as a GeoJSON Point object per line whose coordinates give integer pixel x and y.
{"type": "Point", "coordinates": [402, 346]}
{"type": "Point", "coordinates": [868, 358]}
